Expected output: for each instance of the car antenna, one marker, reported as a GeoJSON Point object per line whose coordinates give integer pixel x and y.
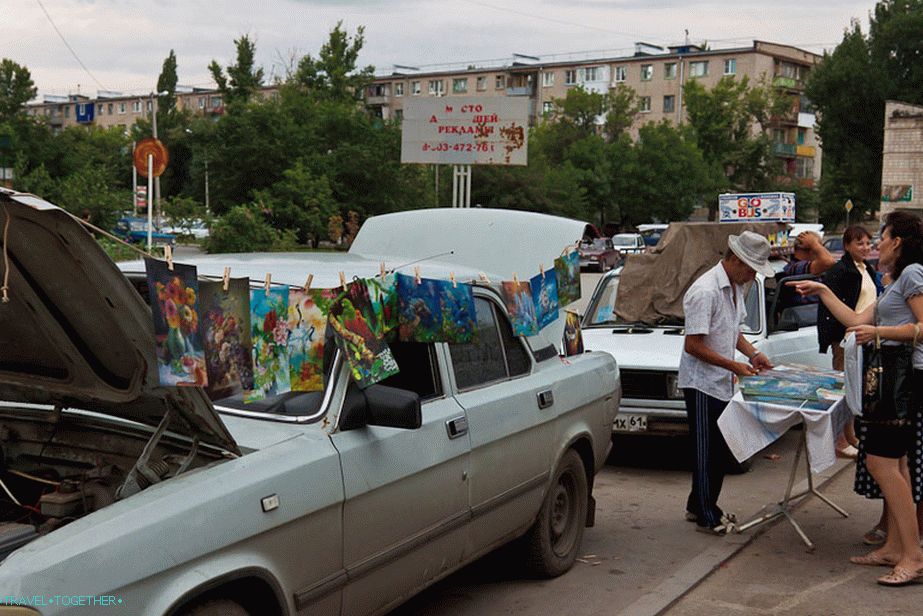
{"type": "Point", "coordinates": [441, 254]}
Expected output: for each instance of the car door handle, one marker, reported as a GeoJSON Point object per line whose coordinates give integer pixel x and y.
{"type": "Point", "coordinates": [457, 427]}
{"type": "Point", "coordinates": [545, 399]}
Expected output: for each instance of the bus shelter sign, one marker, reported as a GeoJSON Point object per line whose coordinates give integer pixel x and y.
{"type": "Point", "coordinates": [465, 131]}
{"type": "Point", "coordinates": [757, 207]}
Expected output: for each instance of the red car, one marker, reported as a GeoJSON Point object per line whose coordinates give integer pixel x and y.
{"type": "Point", "coordinates": [599, 254]}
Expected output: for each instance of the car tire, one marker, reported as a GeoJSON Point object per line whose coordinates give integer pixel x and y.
{"type": "Point", "coordinates": [554, 539]}
{"type": "Point", "coordinates": [217, 607]}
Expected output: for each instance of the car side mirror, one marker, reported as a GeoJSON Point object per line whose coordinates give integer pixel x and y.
{"type": "Point", "coordinates": [380, 405]}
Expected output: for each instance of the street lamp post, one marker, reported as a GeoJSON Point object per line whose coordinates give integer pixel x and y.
{"type": "Point", "coordinates": [154, 97]}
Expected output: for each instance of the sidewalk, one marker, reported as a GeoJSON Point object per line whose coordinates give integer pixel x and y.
{"type": "Point", "coordinates": [775, 574]}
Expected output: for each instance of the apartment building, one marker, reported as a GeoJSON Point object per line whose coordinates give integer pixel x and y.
{"type": "Point", "coordinates": [902, 159]}
{"type": "Point", "coordinates": [656, 74]}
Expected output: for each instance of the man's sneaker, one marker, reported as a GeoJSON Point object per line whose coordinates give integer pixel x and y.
{"type": "Point", "coordinates": [728, 519]}
{"type": "Point", "coordinates": [691, 517]}
{"type": "Point", "coordinates": [719, 531]}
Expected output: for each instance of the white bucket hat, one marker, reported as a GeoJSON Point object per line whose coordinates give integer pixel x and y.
{"type": "Point", "coordinates": [753, 249]}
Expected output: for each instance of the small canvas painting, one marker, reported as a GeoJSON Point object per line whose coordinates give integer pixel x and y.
{"type": "Point", "coordinates": [269, 333]}
{"type": "Point", "coordinates": [545, 296]}
{"type": "Point", "coordinates": [307, 323]}
{"type": "Point", "coordinates": [519, 303]}
{"type": "Point", "coordinates": [369, 357]}
{"type": "Point", "coordinates": [435, 310]}
{"type": "Point", "coordinates": [383, 296]}
{"type": "Point", "coordinates": [567, 269]}
{"type": "Point", "coordinates": [573, 338]}
{"type": "Point", "coordinates": [175, 312]}
{"type": "Point", "coordinates": [225, 327]}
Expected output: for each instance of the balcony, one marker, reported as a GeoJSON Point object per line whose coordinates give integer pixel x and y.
{"type": "Point", "coordinates": [787, 82]}
{"type": "Point", "coordinates": [519, 91]}
{"type": "Point", "coordinates": [785, 150]}
{"type": "Point", "coordinates": [806, 151]}
{"type": "Point", "coordinates": [377, 100]}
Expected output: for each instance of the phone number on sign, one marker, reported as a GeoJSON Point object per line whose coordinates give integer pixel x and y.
{"type": "Point", "coordinates": [458, 147]}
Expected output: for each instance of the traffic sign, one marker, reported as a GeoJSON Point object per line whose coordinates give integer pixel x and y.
{"type": "Point", "coordinates": [156, 149]}
{"type": "Point", "coordinates": [848, 205]}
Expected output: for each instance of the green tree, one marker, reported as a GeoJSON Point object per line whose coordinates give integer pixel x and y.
{"type": "Point", "coordinates": [334, 74]}
{"type": "Point", "coordinates": [243, 78]}
{"type": "Point", "coordinates": [896, 48]}
{"type": "Point", "coordinates": [166, 82]}
{"type": "Point", "coordinates": [623, 109]}
{"type": "Point", "coordinates": [244, 229]}
{"type": "Point", "coordinates": [16, 89]}
{"type": "Point", "coordinates": [300, 201]}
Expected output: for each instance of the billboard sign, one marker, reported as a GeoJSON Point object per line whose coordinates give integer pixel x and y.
{"type": "Point", "coordinates": [141, 197]}
{"type": "Point", "coordinates": [757, 207]}
{"type": "Point", "coordinates": [460, 130]}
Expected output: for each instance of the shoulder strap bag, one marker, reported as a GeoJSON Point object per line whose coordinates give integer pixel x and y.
{"type": "Point", "coordinates": [887, 381]}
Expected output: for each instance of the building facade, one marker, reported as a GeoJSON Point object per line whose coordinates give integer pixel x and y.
{"type": "Point", "coordinates": [902, 159]}
{"type": "Point", "coordinates": [657, 75]}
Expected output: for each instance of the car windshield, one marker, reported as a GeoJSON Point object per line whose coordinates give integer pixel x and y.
{"type": "Point", "coordinates": [594, 244]}
{"type": "Point", "coordinates": [624, 241]}
{"type": "Point", "coordinates": [137, 225]}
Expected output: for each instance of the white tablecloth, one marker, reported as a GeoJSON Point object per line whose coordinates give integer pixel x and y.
{"type": "Point", "coordinates": [748, 427]}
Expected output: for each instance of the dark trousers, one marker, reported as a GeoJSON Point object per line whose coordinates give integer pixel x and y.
{"type": "Point", "coordinates": [710, 456]}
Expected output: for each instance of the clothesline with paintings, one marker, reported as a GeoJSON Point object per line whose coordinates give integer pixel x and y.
{"type": "Point", "coordinates": [233, 336]}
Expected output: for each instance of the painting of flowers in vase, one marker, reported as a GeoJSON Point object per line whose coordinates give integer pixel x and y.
{"type": "Point", "coordinates": [225, 325]}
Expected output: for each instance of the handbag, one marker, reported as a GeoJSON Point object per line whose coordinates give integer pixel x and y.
{"type": "Point", "coordinates": [887, 382]}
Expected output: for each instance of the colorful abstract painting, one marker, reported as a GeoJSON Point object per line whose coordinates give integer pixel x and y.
{"type": "Point", "coordinates": [383, 296]}
{"type": "Point", "coordinates": [435, 310]}
{"type": "Point", "coordinates": [352, 319]}
{"type": "Point", "coordinates": [567, 269]}
{"type": "Point", "coordinates": [174, 307]}
{"type": "Point", "coordinates": [307, 323]}
{"type": "Point", "coordinates": [545, 296]}
{"type": "Point", "coordinates": [225, 328]}
{"type": "Point", "coordinates": [269, 334]}
{"type": "Point", "coordinates": [573, 338]}
{"type": "Point", "coordinates": [519, 303]}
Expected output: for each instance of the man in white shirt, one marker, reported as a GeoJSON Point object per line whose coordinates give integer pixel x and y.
{"type": "Point", "coordinates": [714, 309]}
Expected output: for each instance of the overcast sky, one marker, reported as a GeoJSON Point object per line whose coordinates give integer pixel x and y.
{"type": "Point", "coordinates": [122, 43]}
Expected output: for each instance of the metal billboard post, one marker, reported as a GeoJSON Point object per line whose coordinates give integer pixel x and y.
{"type": "Point", "coordinates": [461, 185]}
{"type": "Point", "coordinates": [150, 212]}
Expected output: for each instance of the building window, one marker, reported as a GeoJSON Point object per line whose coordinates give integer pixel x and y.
{"type": "Point", "coordinates": [399, 88]}
{"type": "Point", "coordinates": [136, 107]}
{"type": "Point", "coordinates": [669, 103]}
{"type": "Point", "coordinates": [398, 114]}
{"type": "Point", "coordinates": [436, 87]}
{"type": "Point", "coordinates": [415, 88]}
{"type": "Point", "coordinates": [647, 72]}
{"type": "Point", "coordinates": [570, 77]}
{"type": "Point", "coordinates": [216, 102]}
{"type": "Point", "coordinates": [804, 167]}
{"type": "Point", "coordinates": [547, 107]}
{"type": "Point", "coordinates": [669, 70]}
{"type": "Point", "coordinates": [67, 111]}
{"type": "Point", "coordinates": [378, 90]}
{"type": "Point", "coordinates": [792, 71]}
{"type": "Point", "coordinates": [460, 86]}
{"type": "Point", "coordinates": [778, 135]}
{"type": "Point", "coordinates": [121, 107]}
{"type": "Point", "coordinates": [102, 110]}
{"type": "Point", "coordinates": [644, 103]}
{"type": "Point", "coordinates": [621, 73]}
{"type": "Point", "coordinates": [500, 82]}
{"type": "Point", "coordinates": [591, 73]}
{"type": "Point", "coordinates": [109, 108]}
{"type": "Point", "coordinates": [547, 79]}
{"type": "Point", "coordinates": [801, 135]}
{"type": "Point", "coordinates": [481, 84]}
{"type": "Point", "coordinates": [730, 66]}
{"type": "Point", "coordinates": [698, 69]}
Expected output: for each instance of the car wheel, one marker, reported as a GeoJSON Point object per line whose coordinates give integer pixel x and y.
{"type": "Point", "coordinates": [554, 539]}
{"type": "Point", "coordinates": [218, 607]}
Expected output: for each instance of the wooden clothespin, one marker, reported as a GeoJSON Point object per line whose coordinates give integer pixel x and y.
{"type": "Point", "coordinates": [416, 274]}
{"type": "Point", "coordinates": [226, 281]}
{"type": "Point", "coordinates": [382, 270]}
{"type": "Point", "coordinates": [515, 279]}
{"type": "Point", "coordinates": [343, 280]}
{"type": "Point", "coordinates": [168, 255]}
{"type": "Point", "coordinates": [268, 282]}
{"type": "Point", "coordinates": [452, 278]}
{"type": "Point", "coordinates": [484, 277]}
{"type": "Point", "coordinates": [307, 283]}
{"type": "Point", "coordinates": [541, 270]}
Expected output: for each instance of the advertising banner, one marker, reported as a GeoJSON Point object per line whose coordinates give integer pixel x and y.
{"type": "Point", "coordinates": [757, 207]}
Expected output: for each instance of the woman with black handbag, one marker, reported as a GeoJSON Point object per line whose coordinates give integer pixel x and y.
{"type": "Point", "coordinates": [893, 379]}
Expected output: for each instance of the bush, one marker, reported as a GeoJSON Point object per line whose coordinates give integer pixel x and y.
{"type": "Point", "coordinates": [244, 229]}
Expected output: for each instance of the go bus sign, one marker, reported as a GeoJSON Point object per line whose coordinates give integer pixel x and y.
{"type": "Point", "coordinates": [757, 207]}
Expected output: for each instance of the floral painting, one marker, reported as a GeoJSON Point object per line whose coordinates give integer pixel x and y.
{"type": "Point", "coordinates": [269, 333]}
{"type": "Point", "coordinates": [307, 323]}
{"type": "Point", "coordinates": [175, 312]}
{"type": "Point", "coordinates": [225, 329]}
{"type": "Point", "coordinates": [545, 296]}
{"type": "Point", "coordinates": [573, 338]}
{"type": "Point", "coordinates": [435, 310]}
{"type": "Point", "coordinates": [567, 269]}
{"type": "Point", "coordinates": [352, 319]}
{"type": "Point", "coordinates": [383, 296]}
{"type": "Point", "coordinates": [519, 303]}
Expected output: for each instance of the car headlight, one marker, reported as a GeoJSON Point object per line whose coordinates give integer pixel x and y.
{"type": "Point", "coordinates": [673, 390]}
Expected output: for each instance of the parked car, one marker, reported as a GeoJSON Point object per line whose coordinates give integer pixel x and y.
{"type": "Point", "coordinates": [652, 232]}
{"type": "Point", "coordinates": [834, 245]}
{"type": "Point", "coordinates": [155, 500]}
{"type": "Point", "coordinates": [629, 243]}
{"type": "Point", "coordinates": [196, 229]}
{"type": "Point", "coordinates": [598, 254]}
{"type": "Point", "coordinates": [134, 231]}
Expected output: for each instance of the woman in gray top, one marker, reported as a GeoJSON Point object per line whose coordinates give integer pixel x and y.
{"type": "Point", "coordinates": [896, 320]}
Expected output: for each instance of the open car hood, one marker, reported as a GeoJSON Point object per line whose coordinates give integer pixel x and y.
{"type": "Point", "coordinates": [75, 333]}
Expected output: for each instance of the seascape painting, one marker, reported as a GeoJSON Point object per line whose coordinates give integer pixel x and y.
{"type": "Point", "coordinates": [353, 321]}
{"type": "Point", "coordinates": [307, 324]}
{"type": "Point", "coordinates": [519, 303]}
{"type": "Point", "coordinates": [225, 327]}
{"type": "Point", "coordinates": [567, 269]}
{"type": "Point", "coordinates": [545, 296]}
{"type": "Point", "coordinates": [175, 312]}
{"type": "Point", "coordinates": [573, 337]}
{"type": "Point", "coordinates": [435, 310]}
{"type": "Point", "coordinates": [269, 334]}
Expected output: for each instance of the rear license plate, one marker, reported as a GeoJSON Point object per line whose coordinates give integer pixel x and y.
{"type": "Point", "coordinates": [626, 422]}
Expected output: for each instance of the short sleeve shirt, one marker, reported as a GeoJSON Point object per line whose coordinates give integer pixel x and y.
{"type": "Point", "coordinates": [709, 306]}
{"type": "Point", "coordinates": [797, 268]}
{"type": "Point", "coordinates": [893, 308]}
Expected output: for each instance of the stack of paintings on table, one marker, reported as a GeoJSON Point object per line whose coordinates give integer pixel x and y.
{"type": "Point", "coordinates": [795, 385]}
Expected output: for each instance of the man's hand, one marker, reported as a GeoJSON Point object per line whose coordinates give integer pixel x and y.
{"type": "Point", "coordinates": [741, 369]}
{"type": "Point", "coordinates": [760, 361]}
